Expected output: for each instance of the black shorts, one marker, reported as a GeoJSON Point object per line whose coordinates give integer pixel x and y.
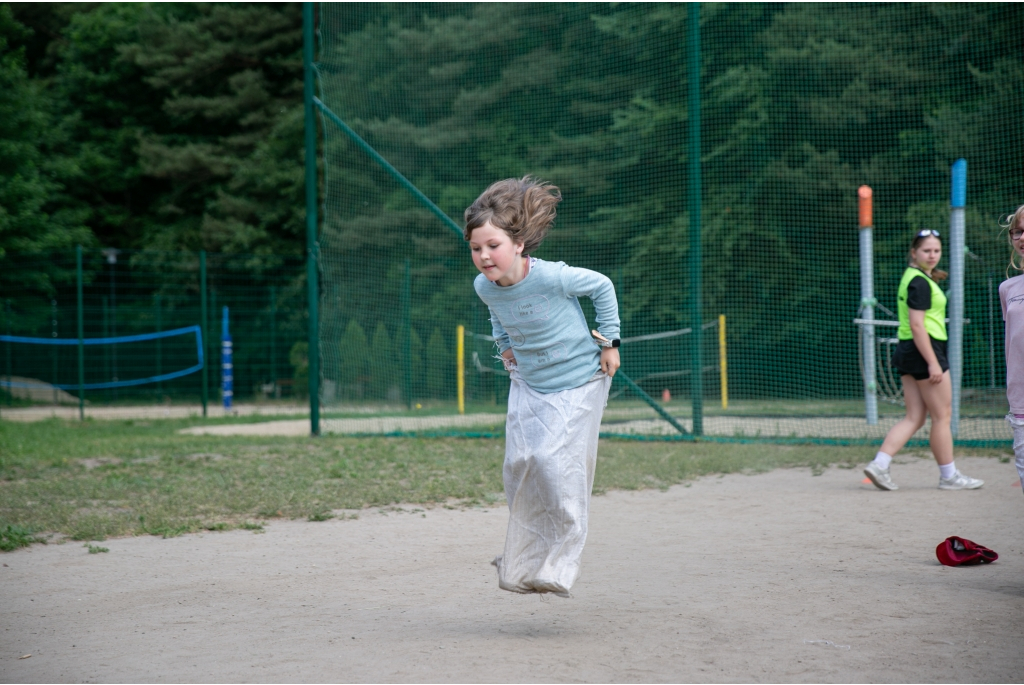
{"type": "Point", "coordinates": [907, 360]}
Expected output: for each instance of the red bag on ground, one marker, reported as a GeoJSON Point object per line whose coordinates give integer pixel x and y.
{"type": "Point", "coordinates": [954, 551]}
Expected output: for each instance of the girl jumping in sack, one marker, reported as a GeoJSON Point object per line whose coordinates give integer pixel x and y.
{"type": "Point", "coordinates": [560, 376]}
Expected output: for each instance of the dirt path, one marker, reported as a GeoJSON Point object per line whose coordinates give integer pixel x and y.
{"type": "Point", "coordinates": [151, 411]}
{"type": "Point", "coordinates": [827, 427]}
{"type": "Point", "coordinates": [641, 421]}
{"type": "Point", "coordinates": [734, 578]}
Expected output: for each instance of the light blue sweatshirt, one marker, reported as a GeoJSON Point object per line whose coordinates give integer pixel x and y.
{"type": "Point", "coordinates": [541, 320]}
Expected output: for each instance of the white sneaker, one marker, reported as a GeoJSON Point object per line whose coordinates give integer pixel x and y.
{"type": "Point", "coordinates": [960, 482]}
{"type": "Point", "coordinates": [880, 477]}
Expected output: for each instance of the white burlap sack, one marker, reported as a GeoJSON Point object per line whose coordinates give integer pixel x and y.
{"type": "Point", "coordinates": [550, 457]}
{"type": "Point", "coordinates": [1018, 444]}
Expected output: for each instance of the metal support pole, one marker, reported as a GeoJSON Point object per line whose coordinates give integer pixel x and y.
{"type": "Point", "coordinates": [227, 366]}
{"type": "Point", "coordinates": [697, 375]}
{"type": "Point", "coordinates": [7, 317]}
{"type": "Point", "coordinates": [312, 247]}
{"type": "Point", "coordinates": [211, 347]}
{"type": "Point", "coordinates": [958, 202]}
{"type": "Point", "coordinates": [991, 335]}
{"type": "Point", "coordinates": [622, 377]}
{"type": "Point", "coordinates": [106, 348]}
{"type": "Point", "coordinates": [202, 323]}
{"type": "Point", "coordinates": [81, 335]}
{"type": "Point", "coordinates": [723, 367]}
{"type": "Point", "coordinates": [407, 323]}
{"type": "Point", "coordinates": [867, 302]}
{"type": "Point", "coordinates": [53, 348]}
{"type": "Point", "coordinates": [395, 173]}
{"type": "Point", "coordinates": [460, 366]}
{"type": "Point", "coordinates": [273, 342]}
{"type": "Point", "coordinates": [113, 322]}
{"type": "Point", "coordinates": [159, 348]}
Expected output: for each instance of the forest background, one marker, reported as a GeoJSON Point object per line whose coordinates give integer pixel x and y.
{"type": "Point", "coordinates": [169, 127]}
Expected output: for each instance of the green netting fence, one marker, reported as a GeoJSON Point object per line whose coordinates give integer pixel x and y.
{"type": "Point", "coordinates": [146, 349]}
{"type": "Point", "coordinates": [799, 105]}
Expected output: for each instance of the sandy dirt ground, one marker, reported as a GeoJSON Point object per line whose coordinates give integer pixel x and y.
{"type": "Point", "coordinates": [617, 421]}
{"type": "Point", "coordinates": [783, 576]}
{"type": "Point", "coordinates": [376, 424]}
{"type": "Point", "coordinates": [151, 411]}
{"type": "Point", "coordinates": [842, 427]}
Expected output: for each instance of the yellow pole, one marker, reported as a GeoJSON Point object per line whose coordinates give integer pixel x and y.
{"type": "Point", "coordinates": [721, 361]}
{"type": "Point", "coordinates": [460, 359]}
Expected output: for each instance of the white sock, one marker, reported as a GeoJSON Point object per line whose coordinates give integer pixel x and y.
{"type": "Point", "coordinates": [947, 470]}
{"type": "Point", "coordinates": [883, 460]}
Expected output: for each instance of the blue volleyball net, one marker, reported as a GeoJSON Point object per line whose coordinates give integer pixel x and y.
{"type": "Point", "coordinates": [144, 339]}
{"type": "Point", "coordinates": [107, 363]}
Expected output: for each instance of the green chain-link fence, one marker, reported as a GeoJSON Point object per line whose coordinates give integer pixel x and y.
{"type": "Point", "coordinates": [799, 104]}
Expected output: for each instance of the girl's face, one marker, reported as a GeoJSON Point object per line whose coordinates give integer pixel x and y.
{"type": "Point", "coordinates": [928, 254]}
{"type": "Point", "coordinates": [495, 255]}
{"type": "Point", "coordinates": [1018, 243]}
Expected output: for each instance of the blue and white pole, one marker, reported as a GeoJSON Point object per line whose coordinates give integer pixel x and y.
{"type": "Point", "coordinates": [227, 366]}
{"type": "Point", "coordinates": [957, 249]}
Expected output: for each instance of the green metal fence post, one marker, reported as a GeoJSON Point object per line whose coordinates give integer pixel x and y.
{"type": "Point", "coordinates": [211, 346]}
{"type": "Point", "coordinates": [273, 341]}
{"type": "Point", "coordinates": [7, 312]}
{"type": "Point", "coordinates": [106, 348]}
{"type": "Point", "coordinates": [697, 374]}
{"type": "Point", "coordinates": [312, 247]}
{"type": "Point", "coordinates": [81, 336]}
{"type": "Point", "coordinates": [202, 324]}
{"type": "Point", "coordinates": [53, 348]}
{"type": "Point", "coordinates": [159, 349]}
{"type": "Point", "coordinates": [10, 390]}
{"type": "Point", "coordinates": [407, 324]}
{"type": "Point", "coordinates": [7, 317]}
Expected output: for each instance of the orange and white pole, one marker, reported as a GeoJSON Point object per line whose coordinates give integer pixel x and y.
{"type": "Point", "coordinates": [867, 302]}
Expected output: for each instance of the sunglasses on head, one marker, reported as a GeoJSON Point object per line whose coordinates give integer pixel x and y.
{"type": "Point", "coordinates": [927, 232]}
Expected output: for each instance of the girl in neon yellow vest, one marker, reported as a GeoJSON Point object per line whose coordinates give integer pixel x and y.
{"type": "Point", "coordinates": [920, 359]}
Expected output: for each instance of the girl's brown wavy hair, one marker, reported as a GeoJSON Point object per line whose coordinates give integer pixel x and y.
{"type": "Point", "coordinates": [522, 207]}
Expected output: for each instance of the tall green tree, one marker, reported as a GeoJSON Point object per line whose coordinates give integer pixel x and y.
{"type": "Point", "coordinates": [33, 222]}
{"type": "Point", "coordinates": [229, 144]}
{"type": "Point", "coordinates": [104, 108]}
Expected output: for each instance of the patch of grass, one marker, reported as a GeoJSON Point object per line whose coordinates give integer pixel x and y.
{"type": "Point", "coordinates": [12, 537]}
{"type": "Point", "coordinates": [93, 549]}
{"type": "Point", "coordinates": [168, 528]}
{"type": "Point", "coordinates": [323, 515]}
{"type": "Point", "coordinates": [99, 479]}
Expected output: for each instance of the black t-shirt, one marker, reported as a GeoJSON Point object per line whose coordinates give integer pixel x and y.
{"type": "Point", "coordinates": [919, 294]}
